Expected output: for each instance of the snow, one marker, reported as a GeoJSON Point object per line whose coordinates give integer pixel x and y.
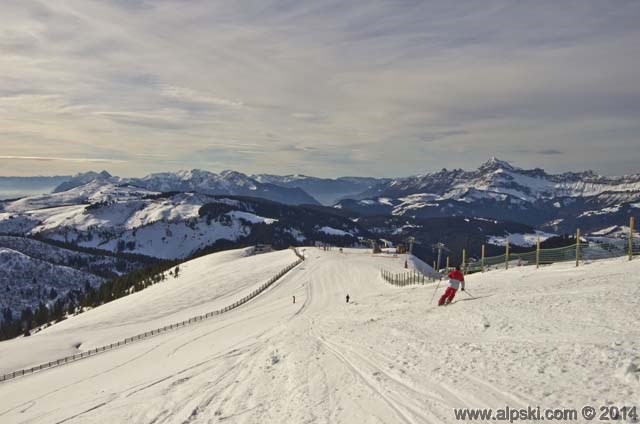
{"type": "Point", "coordinates": [553, 337]}
{"type": "Point", "coordinates": [204, 284]}
{"type": "Point", "coordinates": [415, 201]}
{"type": "Point", "coordinates": [164, 227]}
{"type": "Point", "coordinates": [605, 231]}
{"type": "Point", "coordinates": [334, 231]}
{"type": "Point", "coordinates": [555, 222]}
{"type": "Point", "coordinates": [254, 219]}
{"type": "Point", "coordinates": [603, 211]}
{"type": "Point", "coordinates": [486, 220]}
{"type": "Point", "coordinates": [519, 239]}
{"type": "Point", "coordinates": [612, 233]}
{"type": "Point", "coordinates": [501, 182]}
{"type": "Point", "coordinates": [405, 227]}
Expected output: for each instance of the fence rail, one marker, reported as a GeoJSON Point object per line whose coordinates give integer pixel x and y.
{"type": "Point", "coordinates": [585, 249]}
{"type": "Point", "coordinates": [157, 331]}
{"type": "Point", "coordinates": [406, 278]}
{"type": "Point", "coordinates": [588, 250]}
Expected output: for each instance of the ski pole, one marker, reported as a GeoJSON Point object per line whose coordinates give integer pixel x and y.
{"type": "Point", "coordinates": [468, 294]}
{"type": "Point", "coordinates": [434, 292]}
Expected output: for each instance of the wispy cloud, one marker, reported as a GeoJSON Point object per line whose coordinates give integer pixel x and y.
{"type": "Point", "coordinates": [549, 152]}
{"type": "Point", "coordinates": [186, 94]}
{"type": "Point", "coordinates": [385, 87]}
{"type": "Point", "coordinates": [54, 159]}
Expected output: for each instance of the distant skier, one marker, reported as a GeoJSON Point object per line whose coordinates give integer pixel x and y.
{"type": "Point", "coordinates": [348, 298]}
{"type": "Point", "coordinates": [294, 299]}
{"type": "Point", "coordinates": [456, 279]}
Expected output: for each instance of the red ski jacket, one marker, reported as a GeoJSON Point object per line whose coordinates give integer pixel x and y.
{"type": "Point", "coordinates": [456, 275]}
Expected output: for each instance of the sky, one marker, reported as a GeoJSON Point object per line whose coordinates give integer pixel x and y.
{"type": "Point", "coordinates": [325, 88]}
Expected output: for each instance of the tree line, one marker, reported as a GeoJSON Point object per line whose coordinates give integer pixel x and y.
{"type": "Point", "coordinates": [77, 301]}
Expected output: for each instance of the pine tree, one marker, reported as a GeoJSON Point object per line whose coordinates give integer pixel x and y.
{"type": "Point", "coordinates": [42, 314]}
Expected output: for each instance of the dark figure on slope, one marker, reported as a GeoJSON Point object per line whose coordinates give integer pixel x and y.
{"type": "Point", "coordinates": [348, 298]}
{"type": "Point", "coordinates": [456, 279]}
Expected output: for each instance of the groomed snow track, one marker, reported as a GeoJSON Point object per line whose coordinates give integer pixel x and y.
{"type": "Point", "coordinates": [553, 337]}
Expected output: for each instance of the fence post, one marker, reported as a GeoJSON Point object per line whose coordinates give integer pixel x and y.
{"type": "Point", "coordinates": [577, 246]}
{"type": "Point", "coordinates": [631, 225]}
{"type": "Point", "coordinates": [538, 252]}
{"type": "Point", "coordinates": [464, 261]}
{"type": "Point", "coordinates": [506, 255]}
{"type": "Point", "coordinates": [482, 259]}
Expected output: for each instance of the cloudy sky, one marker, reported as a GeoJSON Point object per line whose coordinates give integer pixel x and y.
{"type": "Point", "coordinates": [385, 88]}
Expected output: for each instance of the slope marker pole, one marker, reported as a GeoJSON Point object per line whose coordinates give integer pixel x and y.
{"type": "Point", "coordinates": [631, 225]}
{"type": "Point", "coordinates": [506, 256]}
{"type": "Point", "coordinates": [577, 246]}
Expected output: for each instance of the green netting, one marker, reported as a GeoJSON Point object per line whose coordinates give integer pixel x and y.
{"type": "Point", "coordinates": [560, 254]}
{"type": "Point", "coordinates": [587, 251]}
{"type": "Point", "coordinates": [635, 247]}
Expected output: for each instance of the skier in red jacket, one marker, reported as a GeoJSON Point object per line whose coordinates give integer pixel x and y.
{"type": "Point", "coordinates": [456, 279]}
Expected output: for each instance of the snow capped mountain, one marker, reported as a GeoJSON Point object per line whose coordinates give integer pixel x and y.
{"type": "Point", "coordinates": [225, 183]}
{"type": "Point", "coordinates": [501, 191]}
{"type": "Point", "coordinates": [82, 179]}
{"type": "Point", "coordinates": [327, 190]}
{"type": "Point", "coordinates": [499, 179]}
{"type": "Point", "coordinates": [126, 218]}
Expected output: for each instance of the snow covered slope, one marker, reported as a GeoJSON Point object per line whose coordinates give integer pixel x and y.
{"type": "Point", "coordinates": [554, 337]}
{"type": "Point", "coordinates": [204, 284]}
{"type": "Point", "coordinates": [126, 218]}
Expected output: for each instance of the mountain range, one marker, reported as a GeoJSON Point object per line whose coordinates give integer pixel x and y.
{"type": "Point", "coordinates": [204, 182]}
{"type": "Point", "coordinates": [498, 190]}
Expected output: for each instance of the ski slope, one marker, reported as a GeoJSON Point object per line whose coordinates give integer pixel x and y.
{"type": "Point", "coordinates": [554, 337]}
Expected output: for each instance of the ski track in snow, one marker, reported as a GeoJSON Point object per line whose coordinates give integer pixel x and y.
{"type": "Point", "coordinates": [554, 337]}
